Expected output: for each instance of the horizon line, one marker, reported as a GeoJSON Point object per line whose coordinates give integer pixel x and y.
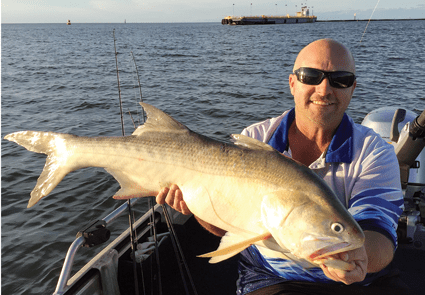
{"type": "Point", "coordinates": [319, 20]}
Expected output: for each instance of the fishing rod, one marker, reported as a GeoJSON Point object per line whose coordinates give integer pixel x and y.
{"type": "Point", "coordinates": [140, 86]}
{"type": "Point", "coordinates": [373, 11]}
{"type": "Point", "coordinates": [181, 261]}
{"type": "Point", "coordinates": [133, 236]}
{"type": "Point", "coordinates": [151, 205]}
{"type": "Point", "coordinates": [150, 200]}
{"type": "Point", "coordinates": [175, 242]}
{"type": "Point", "coordinates": [119, 85]}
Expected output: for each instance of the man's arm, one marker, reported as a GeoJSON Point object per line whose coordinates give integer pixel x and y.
{"type": "Point", "coordinates": [379, 249]}
{"type": "Point", "coordinates": [173, 196]}
{"type": "Point", "coordinates": [376, 203]}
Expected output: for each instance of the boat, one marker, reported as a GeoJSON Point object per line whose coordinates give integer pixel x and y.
{"type": "Point", "coordinates": [165, 243]}
{"type": "Point", "coordinates": [68, 22]}
{"type": "Point", "coordinates": [302, 17]}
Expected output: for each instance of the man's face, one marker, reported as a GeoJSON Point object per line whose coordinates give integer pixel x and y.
{"type": "Point", "coordinates": [321, 104]}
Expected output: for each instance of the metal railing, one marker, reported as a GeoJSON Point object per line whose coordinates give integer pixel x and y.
{"type": "Point", "coordinates": [78, 243]}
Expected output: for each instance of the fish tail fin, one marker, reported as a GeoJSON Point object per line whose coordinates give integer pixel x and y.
{"type": "Point", "coordinates": [55, 169]}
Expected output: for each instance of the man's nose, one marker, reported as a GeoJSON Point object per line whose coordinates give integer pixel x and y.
{"type": "Point", "coordinates": [324, 88]}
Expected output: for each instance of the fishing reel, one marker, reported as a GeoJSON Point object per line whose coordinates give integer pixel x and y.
{"type": "Point", "coordinates": [406, 132]}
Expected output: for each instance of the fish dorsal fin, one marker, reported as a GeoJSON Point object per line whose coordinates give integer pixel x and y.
{"type": "Point", "coordinates": [158, 121]}
{"type": "Point", "coordinates": [251, 143]}
{"type": "Point", "coordinates": [232, 244]}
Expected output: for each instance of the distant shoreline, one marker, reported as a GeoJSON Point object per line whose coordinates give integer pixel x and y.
{"type": "Point", "coordinates": [366, 20]}
{"type": "Point", "coordinates": [323, 21]}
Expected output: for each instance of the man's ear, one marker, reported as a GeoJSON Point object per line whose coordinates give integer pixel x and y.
{"type": "Point", "coordinates": [292, 81]}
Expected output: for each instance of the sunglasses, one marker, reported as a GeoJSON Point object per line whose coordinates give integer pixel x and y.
{"type": "Point", "coordinates": [338, 79]}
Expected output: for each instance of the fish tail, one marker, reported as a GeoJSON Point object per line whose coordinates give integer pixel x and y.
{"type": "Point", "coordinates": [56, 167]}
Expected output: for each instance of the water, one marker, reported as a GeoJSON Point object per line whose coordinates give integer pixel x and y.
{"type": "Point", "coordinates": [215, 79]}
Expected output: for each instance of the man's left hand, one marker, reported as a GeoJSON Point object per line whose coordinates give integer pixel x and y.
{"type": "Point", "coordinates": [357, 257]}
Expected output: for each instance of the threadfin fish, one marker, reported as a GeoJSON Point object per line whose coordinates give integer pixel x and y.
{"type": "Point", "coordinates": [248, 189]}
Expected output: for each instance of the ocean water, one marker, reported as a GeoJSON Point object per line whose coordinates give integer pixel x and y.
{"type": "Point", "coordinates": [215, 79]}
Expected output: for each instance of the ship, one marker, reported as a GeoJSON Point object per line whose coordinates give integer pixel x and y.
{"type": "Point", "coordinates": [68, 22]}
{"type": "Point", "coordinates": [302, 16]}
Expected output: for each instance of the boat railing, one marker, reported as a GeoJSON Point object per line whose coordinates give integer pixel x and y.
{"type": "Point", "coordinates": [78, 243]}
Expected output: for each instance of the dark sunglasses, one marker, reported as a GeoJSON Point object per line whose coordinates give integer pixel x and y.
{"type": "Point", "coordinates": [338, 79]}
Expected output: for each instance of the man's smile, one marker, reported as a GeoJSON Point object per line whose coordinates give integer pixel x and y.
{"type": "Point", "coordinates": [322, 103]}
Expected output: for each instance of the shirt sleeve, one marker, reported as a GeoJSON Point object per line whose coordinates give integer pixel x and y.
{"type": "Point", "coordinates": [377, 200]}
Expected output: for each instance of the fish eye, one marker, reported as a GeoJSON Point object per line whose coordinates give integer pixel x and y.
{"type": "Point", "coordinates": [337, 227]}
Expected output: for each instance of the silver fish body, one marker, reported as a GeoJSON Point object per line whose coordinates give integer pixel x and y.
{"type": "Point", "coordinates": [247, 188]}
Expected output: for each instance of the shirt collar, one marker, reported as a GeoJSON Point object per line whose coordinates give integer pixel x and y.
{"type": "Point", "coordinates": [279, 139]}
{"type": "Point", "coordinates": [339, 150]}
{"type": "Point", "coordinates": [341, 147]}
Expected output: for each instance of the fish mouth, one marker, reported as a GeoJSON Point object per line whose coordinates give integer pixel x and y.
{"type": "Point", "coordinates": [330, 250]}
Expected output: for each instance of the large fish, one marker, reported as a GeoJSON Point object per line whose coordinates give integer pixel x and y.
{"type": "Point", "coordinates": [248, 189]}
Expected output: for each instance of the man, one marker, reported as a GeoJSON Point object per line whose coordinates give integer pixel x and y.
{"type": "Point", "coordinates": [356, 163]}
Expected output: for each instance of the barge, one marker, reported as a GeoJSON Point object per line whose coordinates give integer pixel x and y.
{"type": "Point", "coordinates": [302, 17]}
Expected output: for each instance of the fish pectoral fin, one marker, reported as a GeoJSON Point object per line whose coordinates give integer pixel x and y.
{"type": "Point", "coordinates": [273, 245]}
{"type": "Point", "coordinates": [231, 245]}
{"type": "Point", "coordinates": [251, 143]}
{"type": "Point", "coordinates": [158, 121]}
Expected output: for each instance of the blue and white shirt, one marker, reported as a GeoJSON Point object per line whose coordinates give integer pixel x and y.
{"type": "Point", "coordinates": [360, 167]}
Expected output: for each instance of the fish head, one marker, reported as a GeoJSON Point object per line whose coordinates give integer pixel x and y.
{"type": "Point", "coordinates": [309, 227]}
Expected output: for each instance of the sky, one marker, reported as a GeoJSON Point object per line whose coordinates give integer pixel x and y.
{"type": "Point", "coordinates": [164, 11]}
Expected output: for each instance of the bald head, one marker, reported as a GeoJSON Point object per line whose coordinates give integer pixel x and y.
{"type": "Point", "coordinates": [327, 55]}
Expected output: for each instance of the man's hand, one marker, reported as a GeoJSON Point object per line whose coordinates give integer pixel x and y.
{"type": "Point", "coordinates": [358, 258]}
{"type": "Point", "coordinates": [173, 196]}
{"type": "Point", "coordinates": [376, 253]}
